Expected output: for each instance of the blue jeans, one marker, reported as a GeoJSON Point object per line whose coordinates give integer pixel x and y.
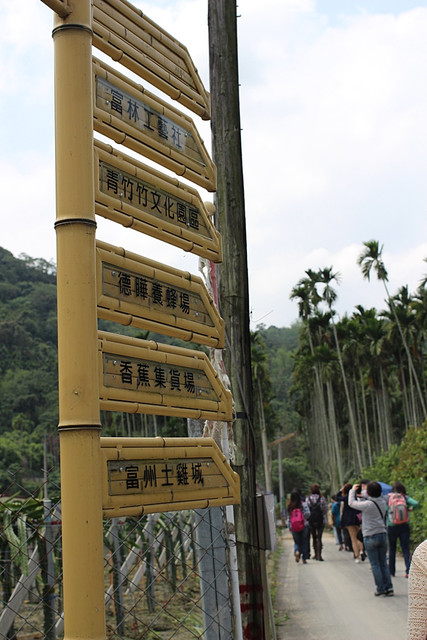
{"type": "Point", "coordinates": [300, 539]}
{"type": "Point", "coordinates": [398, 532]}
{"type": "Point", "coordinates": [376, 548]}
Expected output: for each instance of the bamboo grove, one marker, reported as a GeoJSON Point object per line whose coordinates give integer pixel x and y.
{"type": "Point", "coordinates": [359, 381]}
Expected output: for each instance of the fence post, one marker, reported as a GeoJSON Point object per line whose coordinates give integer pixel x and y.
{"type": "Point", "coordinates": [118, 578]}
{"type": "Point", "coordinates": [213, 566]}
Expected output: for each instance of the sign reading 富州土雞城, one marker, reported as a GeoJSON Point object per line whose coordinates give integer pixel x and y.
{"type": "Point", "coordinates": [148, 475]}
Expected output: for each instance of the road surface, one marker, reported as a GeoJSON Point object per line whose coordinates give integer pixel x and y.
{"type": "Point", "coordinates": [334, 599]}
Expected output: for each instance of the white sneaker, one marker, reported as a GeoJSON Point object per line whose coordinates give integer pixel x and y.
{"type": "Point", "coordinates": [357, 561]}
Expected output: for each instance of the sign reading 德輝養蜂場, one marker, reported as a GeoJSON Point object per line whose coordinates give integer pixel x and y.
{"type": "Point", "coordinates": [133, 290]}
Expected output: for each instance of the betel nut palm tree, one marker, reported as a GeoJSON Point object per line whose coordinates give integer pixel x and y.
{"type": "Point", "coordinates": [329, 296]}
{"type": "Point", "coordinates": [371, 259]}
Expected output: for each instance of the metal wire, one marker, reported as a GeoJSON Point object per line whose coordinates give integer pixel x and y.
{"type": "Point", "coordinates": [157, 572]}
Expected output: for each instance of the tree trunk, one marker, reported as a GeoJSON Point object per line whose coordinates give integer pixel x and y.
{"type": "Point", "coordinates": [359, 420]}
{"type": "Point", "coordinates": [349, 403]}
{"type": "Point", "coordinates": [365, 418]}
{"type": "Point", "coordinates": [336, 443]}
{"type": "Point", "coordinates": [387, 426]}
{"type": "Point", "coordinates": [380, 415]}
{"type": "Point", "coordinates": [265, 451]}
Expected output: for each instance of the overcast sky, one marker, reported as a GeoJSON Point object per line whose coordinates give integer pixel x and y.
{"type": "Point", "coordinates": [334, 133]}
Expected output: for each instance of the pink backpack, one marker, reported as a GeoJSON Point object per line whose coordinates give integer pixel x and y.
{"type": "Point", "coordinates": [297, 520]}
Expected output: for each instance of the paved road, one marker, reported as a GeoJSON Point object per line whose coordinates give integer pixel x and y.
{"type": "Point", "coordinates": [334, 599]}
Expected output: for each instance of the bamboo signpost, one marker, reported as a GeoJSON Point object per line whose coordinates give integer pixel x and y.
{"type": "Point", "coordinates": [99, 370]}
{"type": "Point", "coordinates": [143, 376]}
{"type": "Point", "coordinates": [79, 419]}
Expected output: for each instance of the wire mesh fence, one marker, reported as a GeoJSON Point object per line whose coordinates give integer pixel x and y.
{"type": "Point", "coordinates": [166, 575]}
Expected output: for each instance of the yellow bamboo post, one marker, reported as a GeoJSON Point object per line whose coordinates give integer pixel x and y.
{"type": "Point", "coordinates": [79, 422]}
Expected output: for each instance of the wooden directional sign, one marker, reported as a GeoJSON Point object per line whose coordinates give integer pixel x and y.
{"type": "Point", "coordinates": [152, 475]}
{"type": "Point", "coordinates": [143, 376]}
{"type": "Point", "coordinates": [125, 34]}
{"type": "Point", "coordinates": [138, 196]}
{"type": "Point", "coordinates": [130, 115]}
{"type": "Point", "coordinates": [133, 290]}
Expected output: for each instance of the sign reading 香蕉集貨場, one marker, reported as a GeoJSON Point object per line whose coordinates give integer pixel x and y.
{"type": "Point", "coordinates": [143, 376]}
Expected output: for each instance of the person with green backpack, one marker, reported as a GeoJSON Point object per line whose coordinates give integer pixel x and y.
{"type": "Point", "coordinates": [398, 507]}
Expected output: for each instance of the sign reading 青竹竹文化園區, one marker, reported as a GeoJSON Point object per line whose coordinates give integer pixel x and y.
{"type": "Point", "coordinates": [143, 376]}
{"type": "Point", "coordinates": [148, 475]}
{"type": "Point", "coordinates": [136, 291]}
{"type": "Point", "coordinates": [140, 197]}
{"type": "Point", "coordinates": [130, 115]}
{"type": "Point", "coordinates": [126, 34]}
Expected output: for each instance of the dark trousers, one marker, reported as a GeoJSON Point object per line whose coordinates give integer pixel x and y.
{"type": "Point", "coordinates": [339, 535]}
{"type": "Point", "coordinates": [316, 534]}
{"type": "Point", "coordinates": [398, 532]}
{"type": "Point", "coordinates": [347, 539]}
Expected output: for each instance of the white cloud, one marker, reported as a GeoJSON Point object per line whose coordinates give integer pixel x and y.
{"type": "Point", "coordinates": [28, 206]}
{"type": "Point", "coordinates": [272, 284]}
{"type": "Point", "coordinates": [334, 146]}
{"type": "Point", "coordinates": [334, 130]}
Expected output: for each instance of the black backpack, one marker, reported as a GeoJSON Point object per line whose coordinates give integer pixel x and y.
{"type": "Point", "coordinates": [316, 514]}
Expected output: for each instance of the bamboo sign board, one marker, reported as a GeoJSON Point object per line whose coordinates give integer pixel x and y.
{"type": "Point", "coordinates": [136, 291]}
{"type": "Point", "coordinates": [128, 36]}
{"type": "Point", "coordinates": [137, 196]}
{"type": "Point", "coordinates": [128, 114]}
{"type": "Point", "coordinates": [151, 475]}
{"type": "Point", "coordinates": [143, 376]}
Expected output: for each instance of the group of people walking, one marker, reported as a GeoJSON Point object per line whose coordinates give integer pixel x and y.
{"type": "Point", "coordinates": [372, 520]}
{"type": "Point", "coordinates": [306, 518]}
{"type": "Point", "coordinates": [363, 519]}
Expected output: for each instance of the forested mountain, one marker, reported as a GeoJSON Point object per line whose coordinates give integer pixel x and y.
{"type": "Point", "coordinates": [28, 363]}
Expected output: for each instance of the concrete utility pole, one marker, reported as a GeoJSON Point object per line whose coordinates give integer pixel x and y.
{"type": "Point", "coordinates": [234, 295]}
